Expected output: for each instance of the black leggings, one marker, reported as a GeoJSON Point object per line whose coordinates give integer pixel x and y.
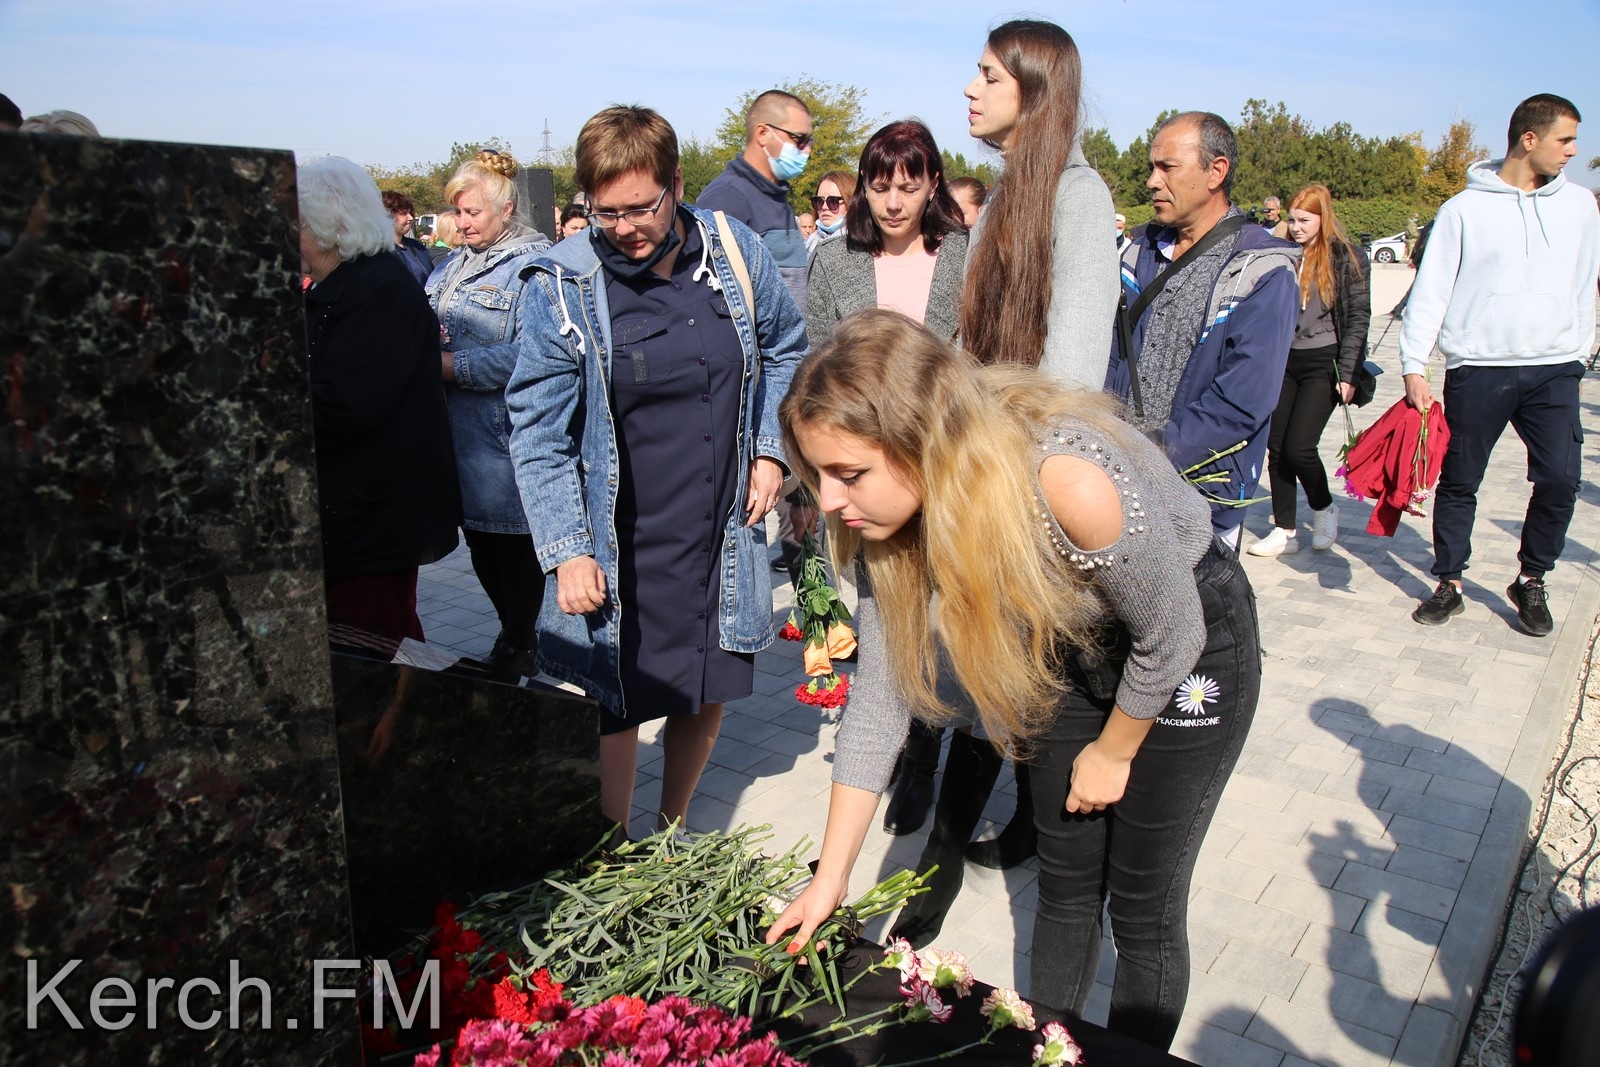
{"type": "Point", "coordinates": [1141, 851]}
{"type": "Point", "coordinates": [1304, 407]}
{"type": "Point", "coordinates": [508, 570]}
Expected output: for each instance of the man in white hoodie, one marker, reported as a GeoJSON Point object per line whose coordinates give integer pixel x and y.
{"type": "Point", "coordinates": [1507, 291]}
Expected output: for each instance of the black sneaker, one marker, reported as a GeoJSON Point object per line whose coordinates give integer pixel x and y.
{"type": "Point", "coordinates": [1437, 609]}
{"type": "Point", "coordinates": [1533, 606]}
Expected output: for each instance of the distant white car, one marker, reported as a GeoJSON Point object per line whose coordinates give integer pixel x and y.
{"type": "Point", "coordinates": [1389, 249]}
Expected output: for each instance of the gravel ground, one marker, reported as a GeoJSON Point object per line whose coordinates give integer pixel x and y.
{"type": "Point", "coordinates": [1560, 872]}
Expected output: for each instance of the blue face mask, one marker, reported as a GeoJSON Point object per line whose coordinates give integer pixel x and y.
{"type": "Point", "coordinates": [831, 227]}
{"type": "Point", "coordinates": [789, 162]}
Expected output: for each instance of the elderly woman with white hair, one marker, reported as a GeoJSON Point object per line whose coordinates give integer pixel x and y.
{"type": "Point", "coordinates": [474, 291]}
{"type": "Point", "coordinates": [385, 474]}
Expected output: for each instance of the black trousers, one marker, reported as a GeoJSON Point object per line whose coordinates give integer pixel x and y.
{"type": "Point", "coordinates": [1304, 406]}
{"type": "Point", "coordinates": [1541, 404]}
{"type": "Point", "coordinates": [1140, 852]}
{"type": "Point", "coordinates": [508, 570]}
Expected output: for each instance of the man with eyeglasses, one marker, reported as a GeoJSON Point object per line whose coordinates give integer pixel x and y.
{"type": "Point", "coordinates": [754, 187]}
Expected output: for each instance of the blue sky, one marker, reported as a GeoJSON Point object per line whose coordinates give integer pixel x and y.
{"type": "Point", "coordinates": [398, 82]}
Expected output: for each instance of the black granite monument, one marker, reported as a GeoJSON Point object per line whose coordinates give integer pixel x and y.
{"type": "Point", "coordinates": [171, 832]}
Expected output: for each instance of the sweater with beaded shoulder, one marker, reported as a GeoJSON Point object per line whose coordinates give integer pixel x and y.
{"type": "Point", "coordinates": [1145, 579]}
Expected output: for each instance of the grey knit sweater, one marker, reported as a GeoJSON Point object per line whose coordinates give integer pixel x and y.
{"type": "Point", "coordinates": [1146, 579]}
{"type": "Point", "coordinates": [840, 281]}
{"type": "Point", "coordinates": [1084, 277]}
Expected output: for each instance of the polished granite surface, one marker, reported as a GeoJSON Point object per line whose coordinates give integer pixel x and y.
{"type": "Point", "coordinates": [167, 749]}
{"type": "Point", "coordinates": [455, 784]}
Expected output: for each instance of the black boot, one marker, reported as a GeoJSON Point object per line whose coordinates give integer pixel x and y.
{"type": "Point", "coordinates": [1019, 841]}
{"type": "Point", "coordinates": [908, 805]}
{"type": "Point", "coordinates": [969, 774]}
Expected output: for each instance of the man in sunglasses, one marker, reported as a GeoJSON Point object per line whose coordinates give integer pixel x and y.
{"type": "Point", "coordinates": [754, 187]}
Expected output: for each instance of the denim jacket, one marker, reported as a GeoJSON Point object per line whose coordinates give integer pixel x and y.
{"type": "Point", "coordinates": [564, 445]}
{"type": "Point", "coordinates": [482, 331]}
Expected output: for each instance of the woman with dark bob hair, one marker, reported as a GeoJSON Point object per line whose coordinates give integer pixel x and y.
{"type": "Point", "coordinates": [1083, 608]}
{"type": "Point", "coordinates": [904, 243]}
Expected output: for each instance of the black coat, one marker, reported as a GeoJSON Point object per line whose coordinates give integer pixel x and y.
{"type": "Point", "coordinates": [1352, 307]}
{"type": "Point", "coordinates": [386, 475]}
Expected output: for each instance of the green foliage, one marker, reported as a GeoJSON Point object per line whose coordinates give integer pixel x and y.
{"type": "Point", "coordinates": [1389, 179]}
{"type": "Point", "coordinates": [1594, 164]}
{"type": "Point", "coordinates": [1137, 214]}
{"type": "Point", "coordinates": [956, 165]}
{"type": "Point", "coordinates": [412, 181]}
{"type": "Point", "coordinates": [839, 127]}
{"type": "Point", "coordinates": [424, 182]}
{"type": "Point", "coordinates": [1380, 217]}
{"type": "Point", "coordinates": [700, 161]}
{"type": "Point", "coordinates": [1273, 152]}
{"type": "Point", "coordinates": [1104, 156]}
{"type": "Point", "coordinates": [1446, 174]}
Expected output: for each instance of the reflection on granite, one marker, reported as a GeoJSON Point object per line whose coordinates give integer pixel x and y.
{"type": "Point", "coordinates": [166, 725]}
{"type": "Point", "coordinates": [475, 786]}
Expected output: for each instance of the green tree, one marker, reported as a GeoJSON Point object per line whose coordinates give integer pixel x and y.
{"type": "Point", "coordinates": [1273, 152]}
{"type": "Point", "coordinates": [700, 161]}
{"type": "Point", "coordinates": [1104, 156]}
{"type": "Point", "coordinates": [424, 182]}
{"type": "Point", "coordinates": [414, 181]}
{"type": "Point", "coordinates": [839, 127]}
{"type": "Point", "coordinates": [1594, 164]}
{"type": "Point", "coordinates": [957, 165]}
{"type": "Point", "coordinates": [1446, 173]}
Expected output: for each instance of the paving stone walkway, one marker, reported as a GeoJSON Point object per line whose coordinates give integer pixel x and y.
{"type": "Point", "coordinates": [1350, 891]}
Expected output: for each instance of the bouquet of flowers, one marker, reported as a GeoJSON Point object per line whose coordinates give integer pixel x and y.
{"type": "Point", "coordinates": [821, 620]}
{"type": "Point", "coordinates": [926, 980]}
{"type": "Point", "coordinates": [1350, 438]}
{"type": "Point", "coordinates": [534, 1025]}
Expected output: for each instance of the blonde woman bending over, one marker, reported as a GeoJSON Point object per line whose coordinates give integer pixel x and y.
{"type": "Point", "coordinates": [1084, 608]}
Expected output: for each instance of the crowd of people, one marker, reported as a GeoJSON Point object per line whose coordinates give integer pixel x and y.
{"type": "Point", "coordinates": [1025, 431]}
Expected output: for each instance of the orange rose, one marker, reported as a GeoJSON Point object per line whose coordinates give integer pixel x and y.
{"type": "Point", "coordinates": [817, 662]}
{"type": "Point", "coordinates": [841, 640]}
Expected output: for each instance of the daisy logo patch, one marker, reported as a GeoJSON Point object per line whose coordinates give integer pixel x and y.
{"type": "Point", "coordinates": [1195, 693]}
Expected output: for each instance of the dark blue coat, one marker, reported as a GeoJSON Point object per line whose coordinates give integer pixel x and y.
{"type": "Point", "coordinates": [1230, 385]}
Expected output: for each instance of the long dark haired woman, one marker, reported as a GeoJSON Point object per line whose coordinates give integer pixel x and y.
{"type": "Point", "coordinates": [1053, 534]}
{"type": "Point", "coordinates": [1042, 274]}
{"type": "Point", "coordinates": [1330, 341]}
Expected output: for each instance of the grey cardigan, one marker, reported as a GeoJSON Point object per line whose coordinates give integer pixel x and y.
{"type": "Point", "coordinates": [841, 281]}
{"type": "Point", "coordinates": [1084, 278]}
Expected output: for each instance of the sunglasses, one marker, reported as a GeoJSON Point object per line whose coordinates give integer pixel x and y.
{"type": "Point", "coordinates": [802, 141]}
{"type": "Point", "coordinates": [832, 203]}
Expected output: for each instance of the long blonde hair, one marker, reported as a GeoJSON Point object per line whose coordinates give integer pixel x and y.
{"type": "Point", "coordinates": [964, 437]}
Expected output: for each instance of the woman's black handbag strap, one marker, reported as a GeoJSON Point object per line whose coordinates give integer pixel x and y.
{"type": "Point", "coordinates": [1127, 317]}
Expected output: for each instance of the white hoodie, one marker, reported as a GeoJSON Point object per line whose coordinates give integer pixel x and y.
{"type": "Point", "coordinates": [1508, 278]}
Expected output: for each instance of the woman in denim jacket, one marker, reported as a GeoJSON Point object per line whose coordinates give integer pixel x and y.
{"type": "Point", "coordinates": [474, 294]}
{"type": "Point", "coordinates": [644, 410]}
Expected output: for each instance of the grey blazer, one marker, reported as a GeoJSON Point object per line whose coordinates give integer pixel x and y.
{"type": "Point", "coordinates": [841, 281]}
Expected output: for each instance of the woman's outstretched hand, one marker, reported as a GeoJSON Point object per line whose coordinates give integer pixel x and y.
{"type": "Point", "coordinates": [808, 911]}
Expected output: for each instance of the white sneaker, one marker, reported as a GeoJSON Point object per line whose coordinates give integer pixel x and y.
{"type": "Point", "coordinates": [1325, 527]}
{"type": "Point", "coordinates": [1279, 542]}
